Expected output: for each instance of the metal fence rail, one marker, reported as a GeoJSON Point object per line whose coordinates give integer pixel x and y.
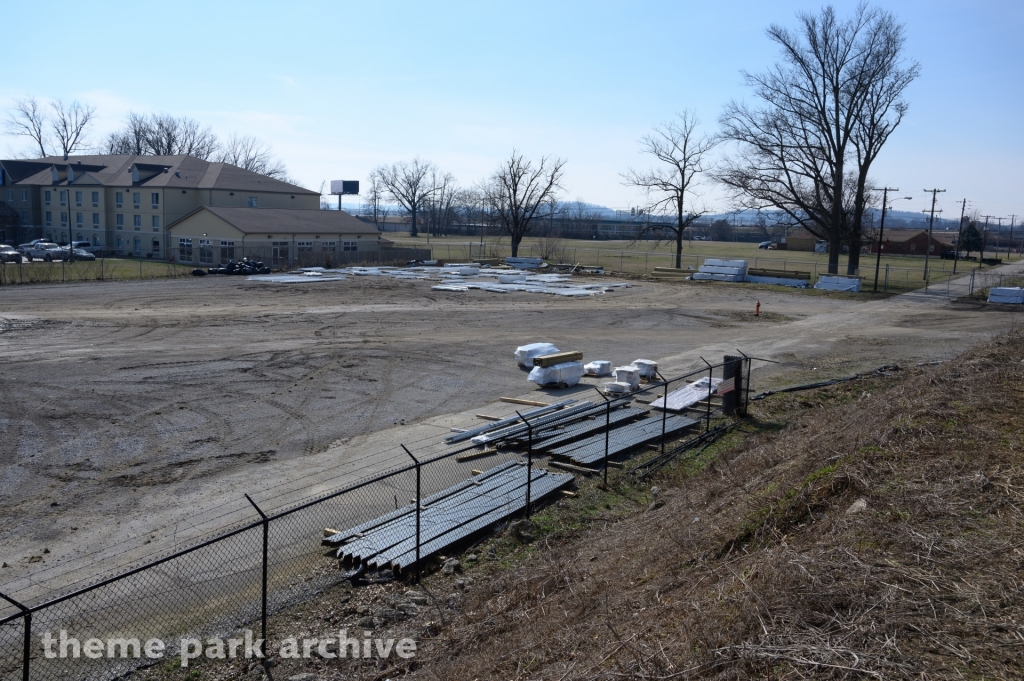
{"type": "Point", "coordinates": [245, 573]}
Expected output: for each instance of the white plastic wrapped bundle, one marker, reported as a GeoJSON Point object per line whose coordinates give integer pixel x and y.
{"type": "Point", "coordinates": [565, 375]}
{"type": "Point", "coordinates": [617, 387]}
{"type": "Point", "coordinates": [1006, 294]}
{"type": "Point", "coordinates": [598, 368]}
{"type": "Point", "coordinates": [628, 374]}
{"type": "Point", "coordinates": [526, 353]}
{"type": "Point", "coordinates": [510, 278]}
{"type": "Point", "coordinates": [648, 368]}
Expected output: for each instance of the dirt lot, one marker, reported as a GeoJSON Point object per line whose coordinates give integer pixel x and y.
{"type": "Point", "coordinates": [133, 415]}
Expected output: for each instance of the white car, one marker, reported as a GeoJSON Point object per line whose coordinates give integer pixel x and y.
{"type": "Point", "coordinates": [45, 251]}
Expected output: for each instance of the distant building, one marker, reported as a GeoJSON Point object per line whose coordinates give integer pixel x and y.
{"type": "Point", "coordinates": [911, 243]}
{"type": "Point", "coordinates": [280, 237]}
{"type": "Point", "coordinates": [125, 203]}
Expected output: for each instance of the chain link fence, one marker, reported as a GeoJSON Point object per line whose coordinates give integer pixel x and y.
{"type": "Point", "coordinates": [253, 567]}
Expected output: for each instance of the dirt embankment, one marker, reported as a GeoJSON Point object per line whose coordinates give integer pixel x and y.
{"type": "Point", "coordinates": [877, 534]}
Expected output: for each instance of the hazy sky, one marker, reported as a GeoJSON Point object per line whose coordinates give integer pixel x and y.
{"type": "Point", "coordinates": [339, 88]}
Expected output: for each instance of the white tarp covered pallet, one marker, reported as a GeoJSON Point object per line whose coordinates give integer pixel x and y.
{"type": "Point", "coordinates": [780, 281]}
{"type": "Point", "coordinates": [564, 375]}
{"type": "Point", "coordinates": [715, 269]}
{"type": "Point", "coordinates": [833, 282]}
{"type": "Point", "coordinates": [526, 353]}
{"type": "Point", "coordinates": [1006, 294]}
{"type": "Point", "coordinates": [688, 396]}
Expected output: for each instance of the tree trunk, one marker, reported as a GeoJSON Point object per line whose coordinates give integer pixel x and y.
{"type": "Point", "coordinates": [679, 249]}
{"type": "Point", "coordinates": [413, 232]}
{"type": "Point", "coordinates": [835, 246]}
{"type": "Point", "coordinates": [515, 245]}
{"type": "Point", "coordinates": [853, 261]}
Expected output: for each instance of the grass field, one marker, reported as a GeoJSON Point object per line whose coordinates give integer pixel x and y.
{"type": "Point", "coordinates": [97, 270]}
{"type": "Point", "coordinates": [904, 272]}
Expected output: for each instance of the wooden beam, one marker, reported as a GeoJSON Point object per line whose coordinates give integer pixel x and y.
{"type": "Point", "coordinates": [557, 358]}
{"type": "Point", "coordinates": [571, 467]}
{"type": "Point", "coordinates": [469, 456]}
{"type": "Point", "coordinates": [529, 403]}
{"type": "Point", "coordinates": [487, 417]}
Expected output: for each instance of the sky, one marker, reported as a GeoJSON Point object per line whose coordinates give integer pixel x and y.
{"type": "Point", "coordinates": [339, 88]}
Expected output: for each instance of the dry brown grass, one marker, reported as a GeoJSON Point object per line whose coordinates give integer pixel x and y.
{"type": "Point", "coordinates": [755, 568]}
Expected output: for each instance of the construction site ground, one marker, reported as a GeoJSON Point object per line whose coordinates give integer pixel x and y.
{"type": "Point", "coordinates": [135, 415]}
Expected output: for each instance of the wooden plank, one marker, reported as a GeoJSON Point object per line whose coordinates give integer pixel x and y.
{"type": "Point", "coordinates": [469, 456]}
{"type": "Point", "coordinates": [487, 417]}
{"type": "Point", "coordinates": [529, 403]}
{"type": "Point", "coordinates": [557, 358]}
{"type": "Point", "coordinates": [571, 467]}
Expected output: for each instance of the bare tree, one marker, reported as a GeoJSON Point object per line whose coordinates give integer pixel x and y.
{"type": "Point", "coordinates": [70, 123]}
{"type": "Point", "coordinates": [63, 130]}
{"type": "Point", "coordinates": [131, 139]}
{"type": "Point", "coordinates": [375, 195]}
{"type": "Point", "coordinates": [409, 185]}
{"type": "Point", "coordinates": [683, 152]}
{"type": "Point", "coordinates": [441, 207]}
{"type": "Point", "coordinates": [248, 153]}
{"type": "Point", "coordinates": [792, 149]}
{"type": "Point", "coordinates": [518, 191]}
{"type": "Point", "coordinates": [28, 119]}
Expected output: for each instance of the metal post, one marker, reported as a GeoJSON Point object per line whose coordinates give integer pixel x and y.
{"type": "Point", "coordinates": [27, 650]}
{"type": "Point", "coordinates": [418, 510]}
{"type": "Point", "coordinates": [266, 534]}
{"type": "Point", "coordinates": [711, 370]}
{"type": "Point", "coordinates": [886, 289]}
{"type": "Point", "coordinates": [529, 463]}
{"type": "Point", "coordinates": [664, 411]}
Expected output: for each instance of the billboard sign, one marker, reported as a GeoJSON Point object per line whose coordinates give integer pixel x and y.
{"type": "Point", "coordinates": [344, 186]}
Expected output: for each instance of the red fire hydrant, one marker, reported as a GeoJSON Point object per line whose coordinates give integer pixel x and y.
{"type": "Point", "coordinates": [757, 309]}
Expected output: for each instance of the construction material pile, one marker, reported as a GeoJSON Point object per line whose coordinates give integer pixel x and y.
{"type": "Point", "coordinates": [714, 269]}
{"type": "Point", "coordinates": [1006, 294]}
{"type": "Point", "coordinates": [835, 282]}
{"type": "Point", "coordinates": [445, 518]}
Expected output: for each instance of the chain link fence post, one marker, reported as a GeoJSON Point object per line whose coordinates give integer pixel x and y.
{"type": "Point", "coordinates": [419, 508]}
{"type": "Point", "coordinates": [27, 651]}
{"type": "Point", "coordinates": [529, 463]}
{"type": "Point", "coordinates": [266, 541]}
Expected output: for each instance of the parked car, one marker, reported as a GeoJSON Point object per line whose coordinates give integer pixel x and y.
{"type": "Point", "coordinates": [82, 254]}
{"type": "Point", "coordinates": [8, 254]}
{"type": "Point", "coordinates": [84, 245]}
{"type": "Point", "coordinates": [46, 251]}
{"type": "Point", "coordinates": [764, 245]}
{"type": "Point", "coordinates": [23, 248]}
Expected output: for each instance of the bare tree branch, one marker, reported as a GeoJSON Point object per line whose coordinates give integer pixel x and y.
{"type": "Point", "coordinates": [70, 123]}
{"type": "Point", "coordinates": [248, 153]}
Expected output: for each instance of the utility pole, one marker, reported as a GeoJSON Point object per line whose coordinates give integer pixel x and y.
{"type": "Point", "coordinates": [984, 238]}
{"type": "Point", "coordinates": [1009, 244]}
{"type": "Point", "coordinates": [998, 232]}
{"type": "Point", "coordinates": [931, 221]}
{"type": "Point", "coordinates": [959, 234]}
{"type": "Point", "coordinates": [881, 229]}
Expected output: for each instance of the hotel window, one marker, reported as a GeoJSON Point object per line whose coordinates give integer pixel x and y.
{"type": "Point", "coordinates": [63, 197]}
{"type": "Point", "coordinates": [156, 222]}
{"type": "Point", "coordinates": [185, 250]}
{"type": "Point", "coordinates": [137, 198]}
{"type": "Point", "coordinates": [156, 246]}
{"type": "Point", "coordinates": [49, 219]}
{"type": "Point", "coordinates": [227, 251]}
{"type": "Point", "coordinates": [63, 219]}
{"type": "Point", "coordinates": [95, 199]}
{"type": "Point", "coordinates": [349, 246]}
{"type": "Point", "coordinates": [46, 197]}
{"type": "Point", "coordinates": [137, 222]}
{"type": "Point", "coordinates": [120, 243]}
{"type": "Point", "coordinates": [24, 216]}
{"type": "Point", "coordinates": [304, 246]}
{"type": "Point", "coordinates": [205, 252]}
{"type": "Point", "coordinates": [10, 195]}
{"type": "Point", "coordinates": [79, 219]}
{"type": "Point", "coordinates": [254, 202]}
{"type": "Point", "coordinates": [120, 221]}
{"type": "Point", "coordinates": [118, 199]}
{"type": "Point", "coordinates": [328, 246]}
{"type": "Point", "coordinates": [155, 196]}
{"type": "Point", "coordinates": [24, 195]}
{"type": "Point", "coordinates": [78, 198]}
{"type": "Point", "coordinates": [95, 220]}
{"type": "Point", "coordinates": [78, 237]}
